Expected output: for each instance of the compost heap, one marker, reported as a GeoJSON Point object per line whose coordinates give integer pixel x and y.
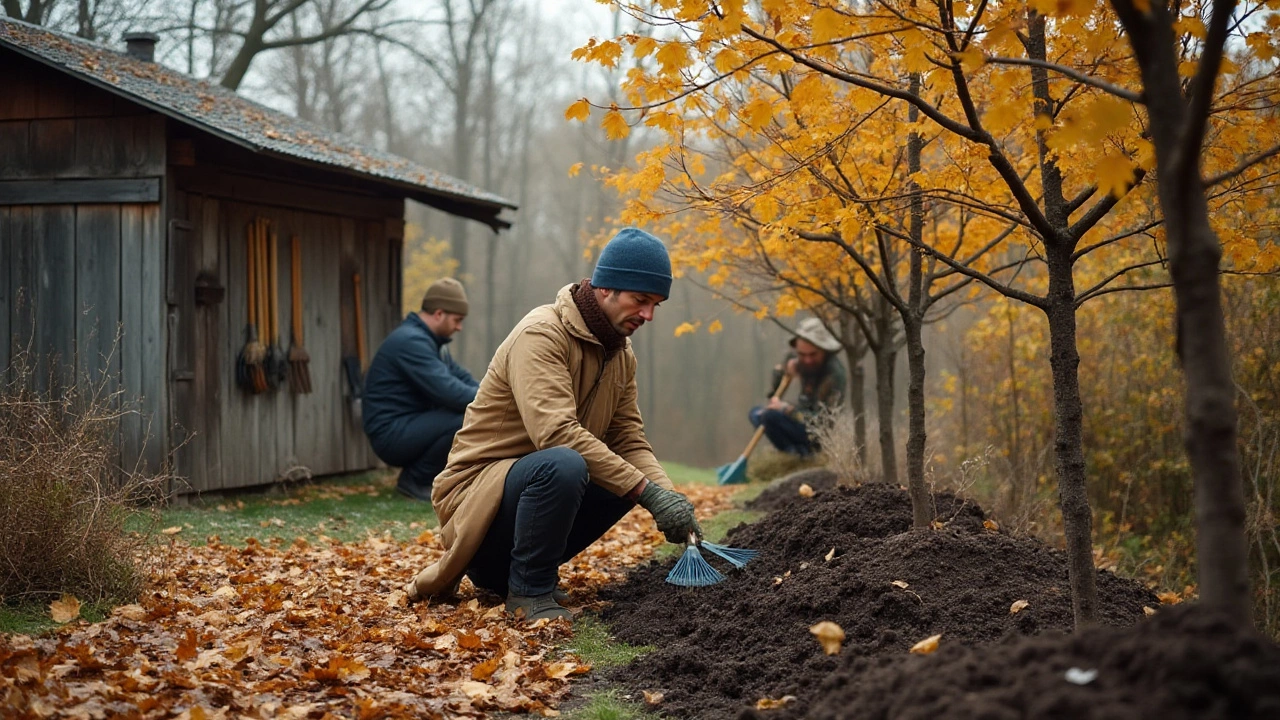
{"type": "Point", "coordinates": [842, 555]}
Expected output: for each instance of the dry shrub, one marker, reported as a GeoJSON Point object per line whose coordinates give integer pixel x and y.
{"type": "Point", "coordinates": [64, 499]}
{"type": "Point", "coordinates": [836, 433]}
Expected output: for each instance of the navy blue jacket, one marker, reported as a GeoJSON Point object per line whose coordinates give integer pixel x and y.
{"type": "Point", "coordinates": [412, 374]}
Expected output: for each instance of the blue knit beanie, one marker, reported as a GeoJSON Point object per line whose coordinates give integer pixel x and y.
{"type": "Point", "coordinates": [634, 260]}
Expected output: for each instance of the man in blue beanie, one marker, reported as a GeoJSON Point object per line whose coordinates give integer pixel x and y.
{"type": "Point", "coordinates": [414, 393]}
{"type": "Point", "coordinates": [552, 452]}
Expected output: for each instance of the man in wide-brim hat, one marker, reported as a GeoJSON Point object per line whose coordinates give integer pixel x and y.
{"type": "Point", "coordinates": [813, 360]}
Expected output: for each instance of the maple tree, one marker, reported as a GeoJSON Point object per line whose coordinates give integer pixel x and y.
{"type": "Point", "coordinates": [1029, 117]}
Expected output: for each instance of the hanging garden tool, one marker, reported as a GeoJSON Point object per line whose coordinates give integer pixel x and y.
{"type": "Point", "coordinates": [353, 367]}
{"type": "Point", "coordinates": [260, 383]}
{"type": "Point", "coordinates": [735, 473]}
{"type": "Point", "coordinates": [249, 360]}
{"type": "Point", "coordinates": [299, 371]}
{"type": "Point", "coordinates": [277, 365]}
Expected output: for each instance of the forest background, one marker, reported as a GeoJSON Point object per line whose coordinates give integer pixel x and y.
{"type": "Point", "coordinates": [479, 89]}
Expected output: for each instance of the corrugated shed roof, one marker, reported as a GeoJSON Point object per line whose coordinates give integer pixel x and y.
{"type": "Point", "coordinates": [222, 112]}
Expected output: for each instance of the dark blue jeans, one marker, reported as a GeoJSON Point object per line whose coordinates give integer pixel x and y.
{"type": "Point", "coordinates": [419, 446]}
{"type": "Point", "coordinates": [786, 433]}
{"type": "Point", "coordinates": [550, 512]}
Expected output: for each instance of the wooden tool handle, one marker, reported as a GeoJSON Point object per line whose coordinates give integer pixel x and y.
{"type": "Point", "coordinates": [755, 439]}
{"type": "Point", "coordinates": [360, 349]}
{"type": "Point", "coordinates": [273, 281]}
{"type": "Point", "coordinates": [263, 330]}
{"type": "Point", "coordinates": [249, 250]}
{"type": "Point", "coordinates": [295, 268]}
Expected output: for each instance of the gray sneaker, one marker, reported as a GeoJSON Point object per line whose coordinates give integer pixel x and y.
{"type": "Point", "coordinates": [536, 607]}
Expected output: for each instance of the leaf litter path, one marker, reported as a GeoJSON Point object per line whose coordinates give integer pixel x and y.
{"type": "Point", "coordinates": [316, 628]}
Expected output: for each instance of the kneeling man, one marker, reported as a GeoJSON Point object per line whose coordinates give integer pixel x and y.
{"type": "Point", "coordinates": [552, 452]}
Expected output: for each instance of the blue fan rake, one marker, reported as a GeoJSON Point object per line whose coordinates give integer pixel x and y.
{"type": "Point", "coordinates": [693, 570]}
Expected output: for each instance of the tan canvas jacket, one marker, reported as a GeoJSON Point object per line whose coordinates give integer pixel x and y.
{"type": "Point", "coordinates": [547, 386]}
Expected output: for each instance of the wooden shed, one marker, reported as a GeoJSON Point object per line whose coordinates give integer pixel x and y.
{"type": "Point", "coordinates": [127, 195]}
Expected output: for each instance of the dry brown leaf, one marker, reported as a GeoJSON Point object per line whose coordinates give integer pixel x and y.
{"type": "Point", "coordinates": [829, 556]}
{"type": "Point", "coordinates": [770, 703]}
{"type": "Point", "coordinates": [172, 530]}
{"type": "Point", "coordinates": [830, 635]}
{"type": "Point", "coordinates": [1148, 610]}
{"type": "Point", "coordinates": [187, 646]}
{"type": "Point", "coordinates": [485, 670]}
{"type": "Point", "coordinates": [777, 581]}
{"type": "Point", "coordinates": [902, 584]}
{"type": "Point", "coordinates": [135, 613]}
{"type": "Point", "coordinates": [476, 690]}
{"type": "Point", "coordinates": [927, 645]}
{"type": "Point", "coordinates": [990, 524]}
{"type": "Point", "coordinates": [1018, 606]}
{"type": "Point", "coordinates": [653, 697]}
{"type": "Point", "coordinates": [805, 490]}
{"type": "Point", "coordinates": [64, 610]}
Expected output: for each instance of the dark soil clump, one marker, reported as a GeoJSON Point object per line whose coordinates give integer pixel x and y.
{"type": "Point", "coordinates": [722, 648]}
{"type": "Point", "coordinates": [1186, 663]}
{"type": "Point", "coordinates": [786, 489]}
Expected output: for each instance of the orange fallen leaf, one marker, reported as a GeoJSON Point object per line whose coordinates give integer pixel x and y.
{"type": "Point", "coordinates": [991, 524]}
{"type": "Point", "coordinates": [927, 645]}
{"type": "Point", "coordinates": [653, 697]}
{"type": "Point", "coordinates": [65, 610]}
{"type": "Point", "coordinates": [1018, 606]}
{"type": "Point", "coordinates": [187, 646]}
{"type": "Point", "coordinates": [770, 703]}
{"type": "Point", "coordinates": [483, 671]}
{"type": "Point", "coordinates": [830, 635]}
{"type": "Point", "coordinates": [805, 490]}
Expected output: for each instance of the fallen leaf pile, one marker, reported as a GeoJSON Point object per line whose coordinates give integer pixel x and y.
{"type": "Point", "coordinates": [312, 629]}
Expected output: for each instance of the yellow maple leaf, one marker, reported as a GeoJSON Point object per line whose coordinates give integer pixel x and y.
{"type": "Point", "coordinates": [715, 327]}
{"type": "Point", "coordinates": [645, 47]}
{"type": "Point", "coordinates": [770, 703]}
{"type": "Point", "coordinates": [580, 110]}
{"type": "Point", "coordinates": [65, 609]}
{"type": "Point", "coordinates": [826, 25]}
{"type": "Point", "coordinates": [673, 57]}
{"type": "Point", "coordinates": [574, 169]}
{"type": "Point", "coordinates": [757, 114]}
{"type": "Point", "coordinates": [685, 328]}
{"type": "Point", "coordinates": [971, 58]}
{"type": "Point", "coordinates": [728, 60]}
{"type": "Point", "coordinates": [615, 126]}
{"type": "Point", "coordinates": [1114, 174]}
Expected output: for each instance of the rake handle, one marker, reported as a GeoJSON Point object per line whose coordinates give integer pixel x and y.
{"type": "Point", "coordinates": [295, 267]}
{"type": "Point", "coordinates": [755, 439]}
{"type": "Point", "coordinates": [359, 303]}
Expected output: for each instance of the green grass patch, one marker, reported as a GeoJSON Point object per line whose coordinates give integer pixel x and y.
{"type": "Point", "coordinates": [610, 705]}
{"type": "Point", "coordinates": [593, 643]}
{"type": "Point", "coordinates": [32, 618]}
{"type": "Point", "coordinates": [347, 508]}
{"type": "Point", "coordinates": [682, 474]}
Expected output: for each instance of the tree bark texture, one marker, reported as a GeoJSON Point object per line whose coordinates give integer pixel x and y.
{"type": "Point", "coordinates": [922, 512]}
{"type": "Point", "coordinates": [886, 358]}
{"type": "Point", "coordinates": [1194, 255]}
{"type": "Point", "coordinates": [1073, 497]}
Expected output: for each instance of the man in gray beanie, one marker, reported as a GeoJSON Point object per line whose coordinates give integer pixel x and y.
{"type": "Point", "coordinates": [414, 393]}
{"type": "Point", "coordinates": [552, 452]}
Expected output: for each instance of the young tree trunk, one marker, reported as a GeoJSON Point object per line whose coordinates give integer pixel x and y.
{"type": "Point", "coordinates": [1222, 555]}
{"type": "Point", "coordinates": [1073, 498]}
{"type": "Point", "coordinates": [912, 322]}
{"type": "Point", "coordinates": [886, 358]}
{"type": "Point", "coordinates": [855, 349]}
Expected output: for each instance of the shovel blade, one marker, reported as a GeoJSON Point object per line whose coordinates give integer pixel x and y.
{"type": "Point", "coordinates": [735, 473]}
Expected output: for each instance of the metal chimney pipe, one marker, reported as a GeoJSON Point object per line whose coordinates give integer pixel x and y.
{"type": "Point", "coordinates": [141, 45]}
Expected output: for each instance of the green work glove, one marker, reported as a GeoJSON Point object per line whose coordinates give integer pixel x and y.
{"type": "Point", "coordinates": [672, 512]}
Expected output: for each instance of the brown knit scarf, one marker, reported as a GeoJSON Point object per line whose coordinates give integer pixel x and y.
{"type": "Point", "coordinates": [584, 297]}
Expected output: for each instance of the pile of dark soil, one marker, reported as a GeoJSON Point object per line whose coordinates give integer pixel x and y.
{"type": "Point", "coordinates": [1186, 663]}
{"type": "Point", "coordinates": [786, 489]}
{"type": "Point", "coordinates": [722, 648]}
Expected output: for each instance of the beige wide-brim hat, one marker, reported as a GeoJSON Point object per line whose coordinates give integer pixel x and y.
{"type": "Point", "coordinates": [811, 329]}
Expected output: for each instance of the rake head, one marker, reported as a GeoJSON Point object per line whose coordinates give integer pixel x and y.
{"type": "Point", "coordinates": [739, 557]}
{"type": "Point", "coordinates": [735, 473]}
{"type": "Point", "coordinates": [692, 570]}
